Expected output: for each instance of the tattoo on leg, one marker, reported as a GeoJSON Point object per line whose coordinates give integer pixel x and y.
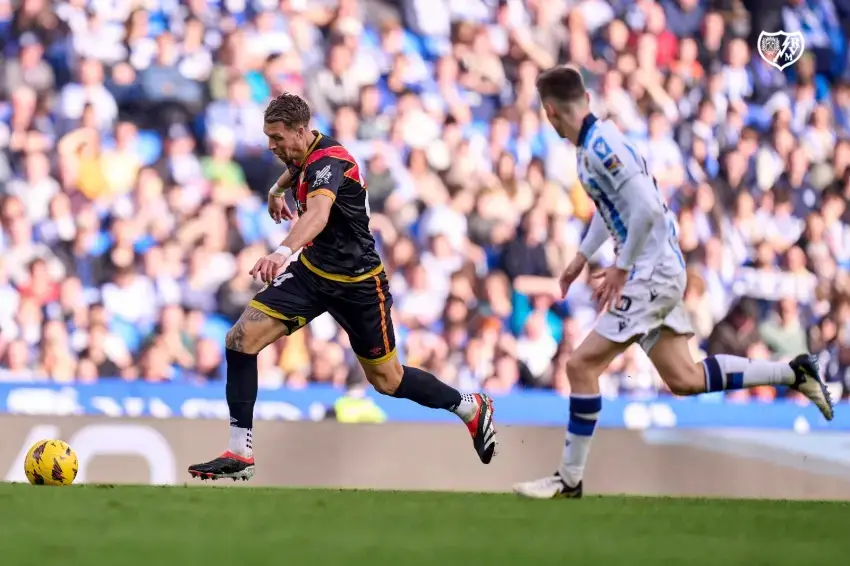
{"type": "Point", "coordinates": [235, 338]}
{"type": "Point", "coordinates": [252, 315]}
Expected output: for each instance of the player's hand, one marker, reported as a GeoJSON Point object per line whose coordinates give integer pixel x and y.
{"type": "Point", "coordinates": [267, 267]}
{"type": "Point", "coordinates": [571, 273]}
{"type": "Point", "coordinates": [278, 209]}
{"type": "Point", "coordinates": [610, 289]}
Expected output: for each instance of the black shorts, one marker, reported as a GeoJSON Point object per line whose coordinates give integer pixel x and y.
{"type": "Point", "coordinates": [361, 307]}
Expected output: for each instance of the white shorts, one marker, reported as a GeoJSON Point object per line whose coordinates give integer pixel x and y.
{"type": "Point", "coordinates": [647, 306]}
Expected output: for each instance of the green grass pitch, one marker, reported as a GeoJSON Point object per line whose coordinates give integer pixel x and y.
{"type": "Point", "coordinates": [180, 526]}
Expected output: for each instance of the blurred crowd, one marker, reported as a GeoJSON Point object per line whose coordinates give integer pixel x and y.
{"type": "Point", "coordinates": [133, 172]}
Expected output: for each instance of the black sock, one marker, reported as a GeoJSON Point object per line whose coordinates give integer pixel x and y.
{"type": "Point", "coordinates": [241, 390]}
{"type": "Point", "coordinates": [421, 387]}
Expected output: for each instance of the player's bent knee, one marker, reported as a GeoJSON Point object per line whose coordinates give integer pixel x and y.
{"type": "Point", "coordinates": [237, 339]}
{"type": "Point", "coordinates": [684, 381]}
{"type": "Point", "coordinates": [580, 369]}
{"type": "Point", "coordinates": [672, 358]}
{"type": "Point", "coordinates": [574, 367]}
{"type": "Point", "coordinates": [252, 332]}
{"type": "Point", "coordinates": [589, 360]}
{"type": "Point", "coordinates": [385, 377]}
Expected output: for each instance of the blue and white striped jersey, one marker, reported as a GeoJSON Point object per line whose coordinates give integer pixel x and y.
{"type": "Point", "coordinates": [606, 161]}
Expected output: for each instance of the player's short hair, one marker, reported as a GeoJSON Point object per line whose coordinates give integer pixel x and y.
{"type": "Point", "coordinates": [288, 108]}
{"type": "Point", "coordinates": [562, 83]}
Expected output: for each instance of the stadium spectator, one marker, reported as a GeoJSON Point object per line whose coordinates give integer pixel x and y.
{"type": "Point", "coordinates": [133, 170]}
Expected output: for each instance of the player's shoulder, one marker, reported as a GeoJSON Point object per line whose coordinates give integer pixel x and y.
{"type": "Point", "coordinates": [327, 149]}
{"type": "Point", "coordinates": [608, 148]}
{"type": "Point", "coordinates": [604, 139]}
{"type": "Point", "coordinates": [325, 142]}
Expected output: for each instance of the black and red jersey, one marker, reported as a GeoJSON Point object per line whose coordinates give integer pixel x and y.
{"type": "Point", "coordinates": [345, 249]}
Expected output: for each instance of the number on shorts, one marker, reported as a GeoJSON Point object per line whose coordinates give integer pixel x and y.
{"type": "Point", "coordinates": [624, 305]}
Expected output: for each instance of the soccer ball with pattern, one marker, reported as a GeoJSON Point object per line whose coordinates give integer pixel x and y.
{"type": "Point", "coordinates": [51, 462]}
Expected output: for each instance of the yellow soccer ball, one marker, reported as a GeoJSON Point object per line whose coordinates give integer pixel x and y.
{"type": "Point", "coordinates": [51, 462]}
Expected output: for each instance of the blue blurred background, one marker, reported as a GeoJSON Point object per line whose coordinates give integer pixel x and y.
{"type": "Point", "coordinates": [133, 171]}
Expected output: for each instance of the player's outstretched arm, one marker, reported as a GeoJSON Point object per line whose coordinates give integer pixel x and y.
{"type": "Point", "coordinates": [597, 234]}
{"type": "Point", "coordinates": [305, 230]}
{"type": "Point", "coordinates": [311, 223]}
{"type": "Point", "coordinates": [323, 176]}
{"type": "Point", "coordinates": [647, 211]}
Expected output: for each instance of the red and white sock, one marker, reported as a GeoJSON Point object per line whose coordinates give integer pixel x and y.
{"type": "Point", "coordinates": [467, 408]}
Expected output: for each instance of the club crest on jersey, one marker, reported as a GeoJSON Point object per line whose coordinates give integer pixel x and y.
{"type": "Point", "coordinates": [601, 148]}
{"type": "Point", "coordinates": [323, 176]}
{"type": "Point", "coordinates": [781, 49]}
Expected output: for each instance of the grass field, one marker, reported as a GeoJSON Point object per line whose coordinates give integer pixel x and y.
{"type": "Point", "coordinates": [150, 526]}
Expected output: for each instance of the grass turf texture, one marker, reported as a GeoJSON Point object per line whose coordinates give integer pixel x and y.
{"type": "Point", "coordinates": [151, 526]}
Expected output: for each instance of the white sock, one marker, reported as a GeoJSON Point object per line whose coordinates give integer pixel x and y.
{"type": "Point", "coordinates": [726, 373]}
{"type": "Point", "coordinates": [467, 407]}
{"type": "Point", "coordinates": [584, 412]}
{"type": "Point", "coordinates": [241, 442]}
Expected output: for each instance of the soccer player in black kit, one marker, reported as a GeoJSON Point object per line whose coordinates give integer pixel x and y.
{"type": "Point", "coordinates": [338, 271]}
